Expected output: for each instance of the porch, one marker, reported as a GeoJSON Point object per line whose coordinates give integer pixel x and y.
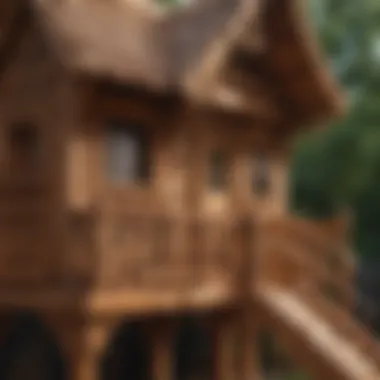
{"type": "Point", "coordinates": [152, 264]}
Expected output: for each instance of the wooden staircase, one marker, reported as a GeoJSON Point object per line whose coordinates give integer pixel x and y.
{"type": "Point", "coordinates": [306, 299]}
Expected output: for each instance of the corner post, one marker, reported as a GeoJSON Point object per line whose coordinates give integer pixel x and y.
{"type": "Point", "coordinates": [224, 347]}
{"type": "Point", "coordinates": [83, 343]}
{"type": "Point", "coordinates": [161, 332]}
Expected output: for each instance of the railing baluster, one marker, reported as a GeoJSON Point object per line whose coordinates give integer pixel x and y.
{"type": "Point", "coordinates": [245, 231]}
{"type": "Point", "coordinates": [224, 255]}
{"type": "Point", "coordinates": [161, 260]}
{"type": "Point", "coordinates": [142, 251]}
{"type": "Point", "coordinates": [325, 269]}
{"type": "Point", "coordinates": [161, 246]}
{"type": "Point", "coordinates": [195, 248]}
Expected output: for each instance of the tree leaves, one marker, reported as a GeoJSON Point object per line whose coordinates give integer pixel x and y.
{"type": "Point", "coordinates": [340, 166]}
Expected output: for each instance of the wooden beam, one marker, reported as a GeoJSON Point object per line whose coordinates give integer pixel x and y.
{"type": "Point", "coordinates": [253, 39]}
{"type": "Point", "coordinates": [212, 66]}
{"type": "Point", "coordinates": [237, 99]}
{"type": "Point", "coordinates": [162, 355]}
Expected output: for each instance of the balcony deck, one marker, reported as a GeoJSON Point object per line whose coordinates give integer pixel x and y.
{"type": "Point", "coordinates": [127, 263]}
{"type": "Point", "coordinates": [160, 263]}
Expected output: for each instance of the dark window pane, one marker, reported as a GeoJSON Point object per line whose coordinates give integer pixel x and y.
{"type": "Point", "coordinates": [127, 153]}
{"type": "Point", "coordinates": [218, 171]}
{"type": "Point", "coordinates": [260, 175]}
{"type": "Point", "coordinates": [23, 143]}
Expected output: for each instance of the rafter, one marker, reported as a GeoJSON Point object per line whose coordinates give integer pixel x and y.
{"type": "Point", "coordinates": [212, 66]}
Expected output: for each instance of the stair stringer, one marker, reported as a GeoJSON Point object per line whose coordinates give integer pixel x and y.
{"type": "Point", "coordinates": [311, 339]}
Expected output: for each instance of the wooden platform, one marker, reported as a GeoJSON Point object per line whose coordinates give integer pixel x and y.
{"type": "Point", "coordinates": [122, 301]}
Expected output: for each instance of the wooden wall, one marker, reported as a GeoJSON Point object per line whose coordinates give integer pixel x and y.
{"type": "Point", "coordinates": [77, 227]}
{"type": "Point", "coordinates": [35, 97]}
{"type": "Point", "coordinates": [183, 141]}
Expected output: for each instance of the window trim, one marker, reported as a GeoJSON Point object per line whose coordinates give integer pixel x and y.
{"type": "Point", "coordinates": [31, 148]}
{"type": "Point", "coordinates": [140, 136]}
{"type": "Point", "coordinates": [218, 185]}
{"type": "Point", "coordinates": [260, 182]}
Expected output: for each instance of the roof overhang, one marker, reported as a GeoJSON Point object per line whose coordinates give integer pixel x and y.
{"type": "Point", "coordinates": [265, 62]}
{"type": "Point", "coordinates": [269, 45]}
{"type": "Point", "coordinates": [131, 40]}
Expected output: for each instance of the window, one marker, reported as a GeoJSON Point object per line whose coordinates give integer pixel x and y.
{"type": "Point", "coordinates": [127, 153]}
{"type": "Point", "coordinates": [23, 146]}
{"type": "Point", "coordinates": [260, 175]}
{"type": "Point", "coordinates": [218, 171]}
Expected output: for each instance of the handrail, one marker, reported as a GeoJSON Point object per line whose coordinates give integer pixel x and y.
{"type": "Point", "coordinates": [311, 252]}
{"type": "Point", "coordinates": [295, 261]}
{"type": "Point", "coordinates": [165, 250]}
{"type": "Point", "coordinates": [313, 339]}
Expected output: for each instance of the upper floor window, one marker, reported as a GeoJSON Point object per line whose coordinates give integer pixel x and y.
{"type": "Point", "coordinates": [260, 175]}
{"type": "Point", "coordinates": [128, 153]}
{"type": "Point", "coordinates": [23, 145]}
{"type": "Point", "coordinates": [218, 171]}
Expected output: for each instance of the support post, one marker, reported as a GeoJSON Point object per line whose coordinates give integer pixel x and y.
{"type": "Point", "coordinates": [225, 347]}
{"type": "Point", "coordinates": [162, 334]}
{"type": "Point", "coordinates": [249, 340]}
{"type": "Point", "coordinates": [83, 343]}
{"type": "Point", "coordinates": [5, 324]}
{"type": "Point", "coordinates": [248, 311]}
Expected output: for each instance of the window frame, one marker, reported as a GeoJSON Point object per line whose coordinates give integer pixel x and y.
{"type": "Point", "coordinates": [218, 185]}
{"type": "Point", "coordinates": [139, 135]}
{"type": "Point", "coordinates": [25, 158]}
{"type": "Point", "coordinates": [260, 170]}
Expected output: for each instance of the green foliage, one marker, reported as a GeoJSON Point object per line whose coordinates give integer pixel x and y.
{"type": "Point", "coordinates": [340, 166]}
{"type": "Point", "coordinates": [171, 3]}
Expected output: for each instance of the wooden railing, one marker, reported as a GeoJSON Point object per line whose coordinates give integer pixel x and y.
{"type": "Point", "coordinates": [164, 252]}
{"type": "Point", "coordinates": [302, 259]}
{"type": "Point", "coordinates": [304, 256]}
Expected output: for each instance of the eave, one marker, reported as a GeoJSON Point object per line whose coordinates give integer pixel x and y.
{"type": "Point", "coordinates": [132, 41]}
{"type": "Point", "coordinates": [270, 43]}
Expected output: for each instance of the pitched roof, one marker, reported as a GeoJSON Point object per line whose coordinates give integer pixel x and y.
{"type": "Point", "coordinates": [133, 40]}
{"type": "Point", "coordinates": [270, 59]}
{"type": "Point", "coordinates": [258, 58]}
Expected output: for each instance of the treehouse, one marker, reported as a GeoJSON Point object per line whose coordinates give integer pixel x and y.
{"type": "Point", "coordinates": [143, 164]}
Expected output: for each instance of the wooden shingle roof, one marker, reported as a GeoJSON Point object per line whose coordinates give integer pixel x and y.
{"type": "Point", "coordinates": [254, 57]}
{"type": "Point", "coordinates": [133, 40]}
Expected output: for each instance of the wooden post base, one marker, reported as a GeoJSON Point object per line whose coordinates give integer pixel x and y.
{"type": "Point", "coordinates": [162, 335]}
{"type": "Point", "coordinates": [83, 343]}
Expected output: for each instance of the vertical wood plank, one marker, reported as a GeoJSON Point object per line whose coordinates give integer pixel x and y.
{"type": "Point", "coordinates": [224, 348]}
{"type": "Point", "coordinates": [162, 332]}
{"type": "Point", "coordinates": [83, 343]}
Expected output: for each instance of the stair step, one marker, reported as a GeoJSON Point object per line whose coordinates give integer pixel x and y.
{"type": "Point", "coordinates": [342, 353]}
